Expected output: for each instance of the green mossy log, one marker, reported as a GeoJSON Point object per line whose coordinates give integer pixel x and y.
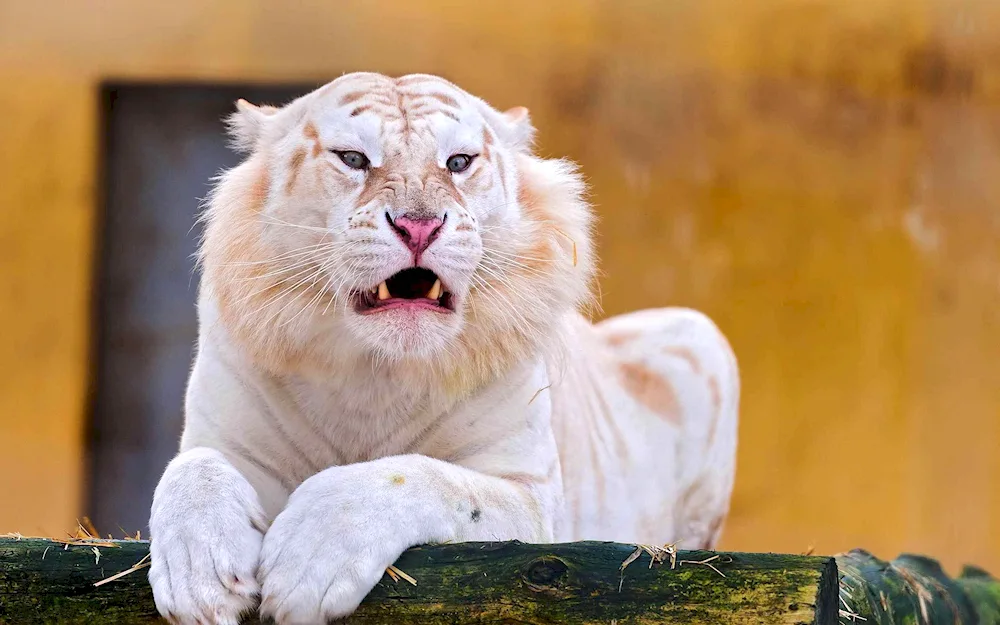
{"type": "Point", "coordinates": [513, 583]}
{"type": "Point", "coordinates": [913, 589]}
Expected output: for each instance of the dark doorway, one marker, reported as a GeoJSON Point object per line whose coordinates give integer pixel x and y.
{"type": "Point", "coordinates": [162, 145]}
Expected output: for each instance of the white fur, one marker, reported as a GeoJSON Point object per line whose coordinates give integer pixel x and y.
{"type": "Point", "coordinates": [320, 443]}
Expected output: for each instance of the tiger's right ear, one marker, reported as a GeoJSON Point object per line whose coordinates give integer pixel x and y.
{"type": "Point", "coordinates": [247, 124]}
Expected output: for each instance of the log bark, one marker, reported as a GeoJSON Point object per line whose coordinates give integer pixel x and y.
{"type": "Point", "coordinates": [913, 589]}
{"type": "Point", "coordinates": [512, 583]}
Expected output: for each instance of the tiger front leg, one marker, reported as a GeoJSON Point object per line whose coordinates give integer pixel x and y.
{"type": "Point", "coordinates": [206, 527]}
{"type": "Point", "coordinates": [345, 525]}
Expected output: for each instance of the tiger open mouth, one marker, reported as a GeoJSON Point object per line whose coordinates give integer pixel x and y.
{"type": "Point", "coordinates": [411, 288]}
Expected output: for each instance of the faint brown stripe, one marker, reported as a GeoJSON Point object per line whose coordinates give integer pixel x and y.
{"type": "Point", "coordinates": [295, 165]}
{"type": "Point", "coordinates": [260, 190]}
{"type": "Point", "coordinates": [266, 468]}
{"type": "Point", "coordinates": [352, 97]}
{"type": "Point", "coordinates": [310, 132]}
{"type": "Point", "coordinates": [444, 99]}
{"type": "Point", "coordinates": [425, 111]}
{"type": "Point", "coordinates": [651, 390]}
{"type": "Point", "coordinates": [336, 169]}
{"type": "Point", "coordinates": [685, 354]}
{"type": "Point", "coordinates": [617, 339]}
{"type": "Point", "coordinates": [476, 175]}
{"type": "Point", "coordinates": [448, 114]}
{"type": "Point", "coordinates": [526, 479]}
{"type": "Point", "coordinates": [716, 393]}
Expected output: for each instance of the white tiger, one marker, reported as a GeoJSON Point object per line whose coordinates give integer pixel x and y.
{"type": "Point", "coordinates": [391, 354]}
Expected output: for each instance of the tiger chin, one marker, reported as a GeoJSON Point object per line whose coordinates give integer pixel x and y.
{"type": "Point", "coordinates": [391, 353]}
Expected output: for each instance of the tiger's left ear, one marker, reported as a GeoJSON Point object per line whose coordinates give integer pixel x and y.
{"type": "Point", "coordinates": [521, 133]}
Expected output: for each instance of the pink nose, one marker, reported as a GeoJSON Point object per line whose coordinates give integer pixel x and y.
{"type": "Point", "coordinates": [417, 234]}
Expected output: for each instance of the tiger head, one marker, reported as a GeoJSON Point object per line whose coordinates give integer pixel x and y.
{"type": "Point", "coordinates": [397, 221]}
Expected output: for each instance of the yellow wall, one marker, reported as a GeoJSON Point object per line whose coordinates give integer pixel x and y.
{"type": "Point", "coordinates": [823, 177]}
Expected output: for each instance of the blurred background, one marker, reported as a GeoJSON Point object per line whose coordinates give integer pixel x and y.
{"type": "Point", "coordinates": [821, 176]}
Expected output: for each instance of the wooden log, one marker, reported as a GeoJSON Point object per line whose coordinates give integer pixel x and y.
{"type": "Point", "coordinates": [914, 589]}
{"type": "Point", "coordinates": [43, 581]}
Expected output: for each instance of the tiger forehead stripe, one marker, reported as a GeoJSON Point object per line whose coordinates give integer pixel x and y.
{"type": "Point", "coordinates": [419, 98]}
{"type": "Point", "coordinates": [400, 104]}
{"type": "Point", "coordinates": [354, 96]}
{"type": "Point", "coordinates": [425, 109]}
{"type": "Point", "coordinates": [443, 99]}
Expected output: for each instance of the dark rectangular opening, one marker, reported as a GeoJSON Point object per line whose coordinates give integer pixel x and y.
{"type": "Point", "coordinates": [162, 143]}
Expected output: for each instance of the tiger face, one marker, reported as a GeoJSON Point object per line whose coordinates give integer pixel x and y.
{"type": "Point", "coordinates": [405, 217]}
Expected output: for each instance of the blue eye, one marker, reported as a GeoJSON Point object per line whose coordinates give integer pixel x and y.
{"type": "Point", "coordinates": [458, 163]}
{"type": "Point", "coordinates": [353, 159]}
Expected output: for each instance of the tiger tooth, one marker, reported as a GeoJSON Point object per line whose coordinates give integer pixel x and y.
{"type": "Point", "coordinates": [383, 291]}
{"type": "Point", "coordinates": [435, 291]}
